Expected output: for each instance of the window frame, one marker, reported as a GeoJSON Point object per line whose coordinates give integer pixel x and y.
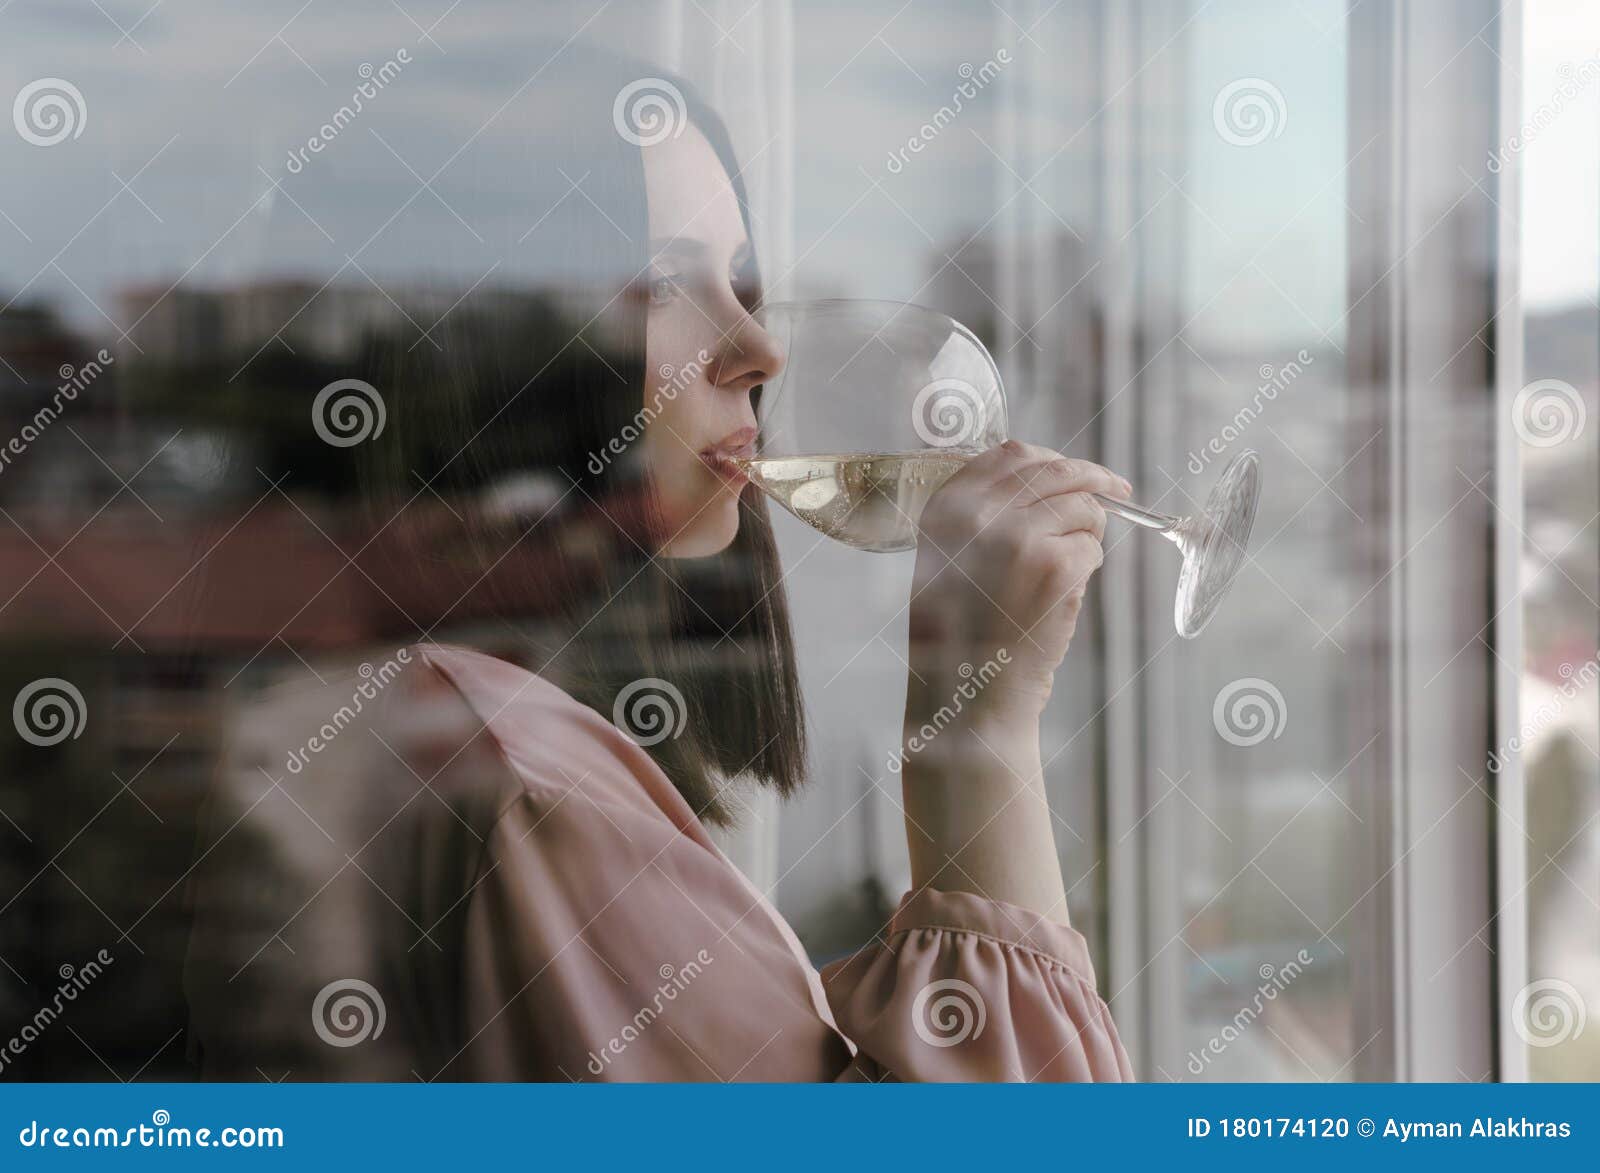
{"type": "Point", "coordinates": [1425, 86]}
{"type": "Point", "coordinates": [1510, 784]}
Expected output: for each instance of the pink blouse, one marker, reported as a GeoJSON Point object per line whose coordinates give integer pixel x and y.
{"type": "Point", "coordinates": [573, 921]}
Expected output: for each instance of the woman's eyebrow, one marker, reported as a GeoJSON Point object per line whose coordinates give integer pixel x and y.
{"type": "Point", "coordinates": [690, 247]}
{"type": "Point", "coordinates": [681, 245]}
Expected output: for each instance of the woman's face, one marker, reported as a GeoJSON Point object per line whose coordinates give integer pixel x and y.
{"type": "Point", "coordinates": [703, 351]}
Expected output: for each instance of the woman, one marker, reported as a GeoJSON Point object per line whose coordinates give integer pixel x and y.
{"type": "Point", "coordinates": [480, 871]}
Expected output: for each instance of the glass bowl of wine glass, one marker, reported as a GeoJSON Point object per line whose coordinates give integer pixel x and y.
{"type": "Point", "coordinates": [880, 402]}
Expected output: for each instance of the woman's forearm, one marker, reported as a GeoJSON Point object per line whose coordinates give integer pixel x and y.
{"type": "Point", "coordinates": [977, 819]}
{"type": "Point", "coordinates": [1005, 551]}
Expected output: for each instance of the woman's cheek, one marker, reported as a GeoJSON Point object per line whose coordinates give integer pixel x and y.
{"type": "Point", "coordinates": [670, 432]}
{"type": "Point", "coordinates": [678, 476]}
{"type": "Point", "coordinates": [680, 495]}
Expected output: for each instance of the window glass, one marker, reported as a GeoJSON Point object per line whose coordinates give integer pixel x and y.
{"type": "Point", "coordinates": [1554, 422]}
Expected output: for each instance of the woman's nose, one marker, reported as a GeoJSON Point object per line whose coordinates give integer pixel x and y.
{"type": "Point", "coordinates": [749, 357]}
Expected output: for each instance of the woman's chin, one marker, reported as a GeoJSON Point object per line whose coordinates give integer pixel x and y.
{"type": "Point", "coordinates": [709, 531]}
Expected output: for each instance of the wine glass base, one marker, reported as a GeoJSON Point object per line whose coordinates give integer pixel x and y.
{"type": "Point", "coordinates": [1214, 542]}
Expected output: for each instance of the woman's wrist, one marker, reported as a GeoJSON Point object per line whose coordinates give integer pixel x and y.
{"type": "Point", "coordinates": [978, 685]}
{"type": "Point", "coordinates": [977, 819]}
{"type": "Point", "coordinates": [1002, 720]}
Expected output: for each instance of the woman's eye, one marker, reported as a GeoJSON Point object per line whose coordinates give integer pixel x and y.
{"type": "Point", "coordinates": [662, 289]}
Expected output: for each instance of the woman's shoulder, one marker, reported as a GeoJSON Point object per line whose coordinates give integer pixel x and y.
{"type": "Point", "coordinates": [498, 684]}
{"type": "Point", "coordinates": [347, 732]}
{"type": "Point", "coordinates": [554, 745]}
{"type": "Point", "coordinates": [469, 725]}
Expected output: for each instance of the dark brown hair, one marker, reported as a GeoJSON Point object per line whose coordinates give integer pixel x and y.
{"type": "Point", "coordinates": [498, 454]}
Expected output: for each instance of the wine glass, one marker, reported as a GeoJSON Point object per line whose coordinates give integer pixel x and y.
{"type": "Point", "coordinates": [881, 402]}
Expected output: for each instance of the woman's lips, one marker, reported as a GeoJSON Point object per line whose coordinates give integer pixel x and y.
{"type": "Point", "coordinates": [723, 466]}
{"type": "Point", "coordinates": [721, 458]}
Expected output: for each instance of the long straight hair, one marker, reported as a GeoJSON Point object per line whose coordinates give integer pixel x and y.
{"type": "Point", "coordinates": [508, 458]}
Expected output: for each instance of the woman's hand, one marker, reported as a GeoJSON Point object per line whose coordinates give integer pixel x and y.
{"type": "Point", "coordinates": [1006, 551]}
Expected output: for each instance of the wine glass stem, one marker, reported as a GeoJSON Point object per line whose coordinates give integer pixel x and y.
{"type": "Point", "coordinates": [1159, 522]}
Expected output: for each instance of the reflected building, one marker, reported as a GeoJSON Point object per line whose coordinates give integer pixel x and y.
{"type": "Point", "coordinates": [168, 545]}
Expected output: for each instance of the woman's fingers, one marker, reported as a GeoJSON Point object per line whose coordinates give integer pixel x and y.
{"type": "Point", "coordinates": [1022, 527]}
{"type": "Point", "coordinates": [1027, 488]}
{"type": "Point", "coordinates": [1041, 472]}
{"type": "Point", "coordinates": [1065, 513]}
{"type": "Point", "coordinates": [1061, 474]}
{"type": "Point", "coordinates": [1004, 459]}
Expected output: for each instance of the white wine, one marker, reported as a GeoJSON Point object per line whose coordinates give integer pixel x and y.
{"type": "Point", "coordinates": [868, 500]}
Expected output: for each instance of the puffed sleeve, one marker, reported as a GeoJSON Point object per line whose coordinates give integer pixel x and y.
{"type": "Point", "coordinates": [962, 988]}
